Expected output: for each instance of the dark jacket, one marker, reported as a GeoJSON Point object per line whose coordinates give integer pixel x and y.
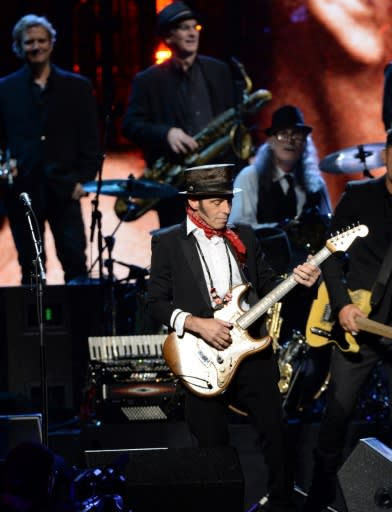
{"type": "Point", "coordinates": [177, 279]}
{"type": "Point", "coordinates": [60, 142]}
{"type": "Point", "coordinates": [365, 202]}
{"type": "Point", "coordinates": [387, 97]}
{"type": "Point", "coordinates": [153, 106]}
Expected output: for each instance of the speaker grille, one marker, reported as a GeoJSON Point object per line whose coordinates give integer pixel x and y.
{"type": "Point", "coordinates": [365, 474]}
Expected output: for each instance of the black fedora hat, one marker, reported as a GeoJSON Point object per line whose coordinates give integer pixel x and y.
{"type": "Point", "coordinates": [209, 180]}
{"type": "Point", "coordinates": [285, 117]}
{"type": "Point", "coordinates": [171, 15]}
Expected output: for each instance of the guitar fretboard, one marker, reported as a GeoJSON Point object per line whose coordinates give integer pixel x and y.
{"type": "Point", "coordinates": [261, 307]}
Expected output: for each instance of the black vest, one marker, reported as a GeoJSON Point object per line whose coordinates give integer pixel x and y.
{"type": "Point", "coordinates": [272, 203]}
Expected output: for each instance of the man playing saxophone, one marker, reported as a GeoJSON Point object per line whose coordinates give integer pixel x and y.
{"type": "Point", "coordinates": [173, 101]}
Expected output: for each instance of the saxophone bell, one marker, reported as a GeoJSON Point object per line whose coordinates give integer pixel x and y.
{"type": "Point", "coordinates": [241, 141]}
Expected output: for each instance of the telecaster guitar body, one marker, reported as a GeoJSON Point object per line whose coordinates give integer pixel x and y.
{"type": "Point", "coordinates": [321, 328]}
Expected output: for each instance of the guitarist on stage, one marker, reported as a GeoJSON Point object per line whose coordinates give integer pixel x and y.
{"type": "Point", "coordinates": [366, 266]}
{"type": "Point", "coordinates": [194, 267]}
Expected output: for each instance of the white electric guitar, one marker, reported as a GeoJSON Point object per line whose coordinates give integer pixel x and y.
{"type": "Point", "coordinates": [207, 371]}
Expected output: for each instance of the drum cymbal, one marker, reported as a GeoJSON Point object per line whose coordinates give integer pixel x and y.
{"type": "Point", "coordinates": [131, 187]}
{"type": "Point", "coordinates": [359, 158]}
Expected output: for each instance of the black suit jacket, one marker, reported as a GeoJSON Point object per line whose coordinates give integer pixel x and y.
{"type": "Point", "coordinates": [366, 202]}
{"type": "Point", "coordinates": [387, 97]}
{"type": "Point", "coordinates": [153, 106]}
{"type": "Point", "coordinates": [177, 279]}
{"type": "Point", "coordinates": [60, 143]}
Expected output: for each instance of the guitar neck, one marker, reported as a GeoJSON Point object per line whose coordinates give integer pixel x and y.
{"type": "Point", "coordinates": [263, 305]}
{"type": "Point", "coordinates": [367, 325]}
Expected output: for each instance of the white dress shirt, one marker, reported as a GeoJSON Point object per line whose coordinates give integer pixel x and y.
{"type": "Point", "coordinates": [215, 254]}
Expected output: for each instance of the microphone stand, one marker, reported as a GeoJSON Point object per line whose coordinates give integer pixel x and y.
{"type": "Point", "coordinates": [109, 240]}
{"type": "Point", "coordinates": [96, 214]}
{"type": "Point", "coordinates": [40, 279]}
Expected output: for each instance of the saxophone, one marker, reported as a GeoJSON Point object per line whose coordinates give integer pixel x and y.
{"type": "Point", "coordinates": [223, 131]}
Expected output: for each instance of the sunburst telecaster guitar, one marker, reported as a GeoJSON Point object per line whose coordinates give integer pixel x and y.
{"type": "Point", "coordinates": [321, 328]}
{"type": "Point", "coordinates": [207, 371]}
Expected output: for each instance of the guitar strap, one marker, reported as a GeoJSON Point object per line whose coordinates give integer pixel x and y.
{"type": "Point", "coordinates": [383, 276]}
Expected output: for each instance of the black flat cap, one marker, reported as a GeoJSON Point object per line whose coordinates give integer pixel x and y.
{"type": "Point", "coordinates": [172, 14]}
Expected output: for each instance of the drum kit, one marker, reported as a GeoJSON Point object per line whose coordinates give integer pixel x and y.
{"type": "Point", "coordinates": [129, 190]}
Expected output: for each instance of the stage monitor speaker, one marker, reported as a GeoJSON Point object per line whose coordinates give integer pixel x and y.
{"type": "Point", "coordinates": [18, 428]}
{"type": "Point", "coordinates": [366, 477]}
{"type": "Point", "coordinates": [69, 316]}
{"type": "Point", "coordinates": [177, 479]}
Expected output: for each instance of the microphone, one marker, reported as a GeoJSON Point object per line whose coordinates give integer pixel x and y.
{"type": "Point", "coordinates": [25, 198]}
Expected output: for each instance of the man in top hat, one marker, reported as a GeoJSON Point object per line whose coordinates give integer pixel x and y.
{"type": "Point", "coordinates": [173, 101]}
{"type": "Point", "coordinates": [194, 267]}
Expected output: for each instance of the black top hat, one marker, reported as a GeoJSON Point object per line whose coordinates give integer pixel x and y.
{"type": "Point", "coordinates": [287, 117]}
{"type": "Point", "coordinates": [209, 180]}
{"type": "Point", "coordinates": [171, 15]}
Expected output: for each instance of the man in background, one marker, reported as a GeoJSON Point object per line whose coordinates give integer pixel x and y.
{"type": "Point", "coordinates": [49, 125]}
{"type": "Point", "coordinates": [172, 102]}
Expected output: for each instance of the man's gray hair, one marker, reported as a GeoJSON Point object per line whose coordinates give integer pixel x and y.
{"type": "Point", "coordinates": [30, 20]}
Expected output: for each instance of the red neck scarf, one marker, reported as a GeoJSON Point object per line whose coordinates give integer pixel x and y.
{"type": "Point", "coordinates": [227, 233]}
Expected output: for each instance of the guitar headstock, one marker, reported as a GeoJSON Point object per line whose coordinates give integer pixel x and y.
{"type": "Point", "coordinates": [8, 168]}
{"type": "Point", "coordinates": [342, 240]}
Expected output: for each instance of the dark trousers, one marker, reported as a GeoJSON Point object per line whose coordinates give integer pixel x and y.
{"type": "Point", "coordinates": [65, 221]}
{"type": "Point", "coordinates": [254, 390]}
{"type": "Point", "coordinates": [348, 374]}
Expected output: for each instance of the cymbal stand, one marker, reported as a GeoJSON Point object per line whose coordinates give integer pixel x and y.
{"type": "Point", "coordinates": [40, 279]}
{"type": "Point", "coordinates": [96, 214]}
{"type": "Point", "coordinates": [362, 155]}
{"type": "Point", "coordinates": [117, 227]}
{"type": "Point", "coordinates": [111, 305]}
{"type": "Point", "coordinates": [96, 220]}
